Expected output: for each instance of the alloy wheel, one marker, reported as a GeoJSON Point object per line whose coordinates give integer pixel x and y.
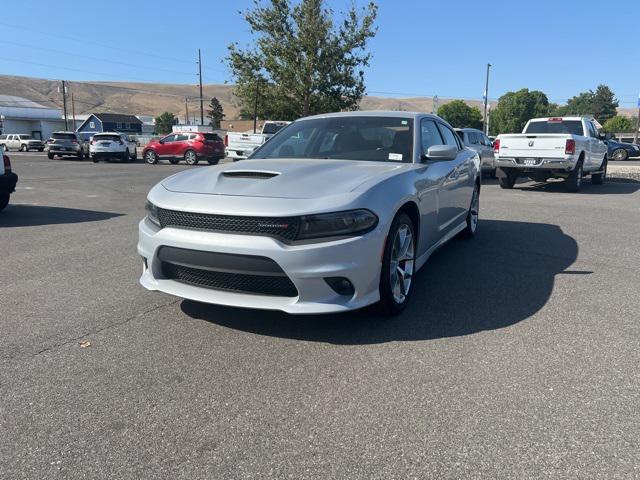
{"type": "Point", "coordinates": [190, 157]}
{"type": "Point", "coordinates": [619, 155]}
{"type": "Point", "coordinates": [402, 263]}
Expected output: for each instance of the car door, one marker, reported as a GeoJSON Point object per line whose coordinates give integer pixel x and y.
{"type": "Point", "coordinates": [166, 145]}
{"type": "Point", "coordinates": [11, 142]}
{"type": "Point", "coordinates": [596, 151]}
{"type": "Point", "coordinates": [180, 144]}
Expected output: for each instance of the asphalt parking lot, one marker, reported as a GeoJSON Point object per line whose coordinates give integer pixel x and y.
{"type": "Point", "coordinates": [518, 357]}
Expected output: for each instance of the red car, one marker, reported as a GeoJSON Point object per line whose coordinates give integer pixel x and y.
{"type": "Point", "coordinates": [190, 146]}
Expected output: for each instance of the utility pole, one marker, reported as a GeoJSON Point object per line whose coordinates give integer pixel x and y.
{"type": "Point", "coordinates": [73, 112]}
{"type": "Point", "coordinates": [64, 103]}
{"type": "Point", "coordinates": [186, 110]}
{"type": "Point", "coordinates": [635, 135]}
{"type": "Point", "coordinates": [200, 76]}
{"type": "Point", "coordinates": [435, 105]}
{"type": "Point", "coordinates": [255, 107]}
{"type": "Point", "coordinates": [485, 123]}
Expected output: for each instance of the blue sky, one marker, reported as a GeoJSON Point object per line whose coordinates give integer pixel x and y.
{"type": "Point", "coordinates": [423, 47]}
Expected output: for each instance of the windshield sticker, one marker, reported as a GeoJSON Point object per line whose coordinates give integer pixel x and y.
{"type": "Point", "coordinates": [395, 156]}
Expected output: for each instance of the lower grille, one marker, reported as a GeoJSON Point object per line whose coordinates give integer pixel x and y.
{"type": "Point", "coordinates": [280, 286]}
{"type": "Point", "coordinates": [285, 228]}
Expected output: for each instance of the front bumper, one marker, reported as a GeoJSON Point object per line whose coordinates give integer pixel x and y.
{"type": "Point", "coordinates": [8, 183]}
{"type": "Point", "coordinates": [306, 265]}
{"type": "Point", "coordinates": [567, 163]}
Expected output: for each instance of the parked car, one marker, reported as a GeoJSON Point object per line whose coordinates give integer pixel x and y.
{"type": "Point", "coordinates": [334, 213]}
{"type": "Point", "coordinates": [240, 145]}
{"type": "Point", "coordinates": [479, 142]}
{"type": "Point", "coordinates": [621, 151]}
{"type": "Point", "coordinates": [558, 147]}
{"type": "Point", "coordinates": [8, 180]}
{"type": "Point", "coordinates": [65, 144]}
{"type": "Point", "coordinates": [22, 142]}
{"type": "Point", "coordinates": [190, 146]}
{"type": "Point", "coordinates": [108, 145]}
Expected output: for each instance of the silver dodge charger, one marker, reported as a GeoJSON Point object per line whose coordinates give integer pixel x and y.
{"type": "Point", "coordinates": [334, 213]}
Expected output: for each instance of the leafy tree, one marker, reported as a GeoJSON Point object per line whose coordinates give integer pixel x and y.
{"type": "Point", "coordinates": [303, 61]}
{"type": "Point", "coordinates": [602, 104]}
{"type": "Point", "coordinates": [461, 115]}
{"type": "Point", "coordinates": [618, 124]}
{"type": "Point", "coordinates": [514, 109]}
{"type": "Point", "coordinates": [215, 112]}
{"type": "Point", "coordinates": [164, 123]}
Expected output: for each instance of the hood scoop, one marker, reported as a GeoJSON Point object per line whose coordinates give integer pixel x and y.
{"type": "Point", "coordinates": [260, 175]}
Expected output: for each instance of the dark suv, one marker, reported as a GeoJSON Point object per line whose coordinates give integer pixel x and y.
{"type": "Point", "coordinates": [67, 144]}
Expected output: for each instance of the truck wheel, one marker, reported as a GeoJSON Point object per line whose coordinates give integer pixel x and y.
{"type": "Point", "coordinates": [507, 181]}
{"type": "Point", "coordinates": [574, 181]}
{"type": "Point", "coordinates": [151, 157]}
{"type": "Point", "coordinates": [4, 201]}
{"type": "Point", "coordinates": [599, 178]}
{"type": "Point", "coordinates": [619, 155]}
{"type": "Point", "coordinates": [50, 156]}
{"type": "Point", "coordinates": [190, 157]}
{"type": "Point", "coordinates": [23, 148]}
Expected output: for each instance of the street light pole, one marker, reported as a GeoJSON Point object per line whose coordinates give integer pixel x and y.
{"type": "Point", "coordinates": [255, 107]}
{"type": "Point", "coordinates": [64, 103]}
{"type": "Point", "coordinates": [635, 135]}
{"type": "Point", "coordinates": [485, 124]}
{"type": "Point", "coordinates": [200, 75]}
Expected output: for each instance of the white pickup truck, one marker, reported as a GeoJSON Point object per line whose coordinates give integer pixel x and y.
{"type": "Point", "coordinates": [240, 145]}
{"type": "Point", "coordinates": [557, 147]}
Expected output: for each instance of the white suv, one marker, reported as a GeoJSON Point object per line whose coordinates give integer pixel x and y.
{"type": "Point", "coordinates": [112, 145]}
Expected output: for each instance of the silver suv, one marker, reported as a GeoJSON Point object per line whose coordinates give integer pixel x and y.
{"type": "Point", "coordinates": [478, 141]}
{"type": "Point", "coordinates": [65, 144]}
{"type": "Point", "coordinates": [22, 142]}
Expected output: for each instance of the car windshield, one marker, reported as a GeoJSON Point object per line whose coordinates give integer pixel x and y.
{"type": "Point", "coordinates": [573, 127]}
{"type": "Point", "coordinates": [381, 139]}
{"type": "Point", "coordinates": [64, 136]}
{"type": "Point", "coordinates": [113, 138]}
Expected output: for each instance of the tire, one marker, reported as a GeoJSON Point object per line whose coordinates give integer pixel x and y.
{"type": "Point", "coordinates": [41, 149]}
{"type": "Point", "coordinates": [23, 148]}
{"type": "Point", "coordinates": [191, 157]}
{"type": "Point", "coordinates": [620, 155]}
{"type": "Point", "coordinates": [395, 290]}
{"type": "Point", "coordinates": [507, 182]}
{"type": "Point", "coordinates": [151, 157]}
{"type": "Point", "coordinates": [95, 159]}
{"type": "Point", "coordinates": [50, 156]}
{"type": "Point", "coordinates": [4, 201]}
{"type": "Point", "coordinates": [124, 158]}
{"type": "Point", "coordinates": [174, 161]}
{"type": "Point", "coordinates": [599, 178]}
{"type": "Point", "coordinates": [473, 215]}
{"type": "Point", "coordinates": [134, 156]}
{"type": "Point", "coordinates": [80, 155]}
{"type": "Point", "coordinates": [574, 181]}
{"type": "Point", "coordinates": [214, 161]}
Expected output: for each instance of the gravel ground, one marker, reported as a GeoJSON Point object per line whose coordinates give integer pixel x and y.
{"type": "Point", "coordinates": [518, 357]}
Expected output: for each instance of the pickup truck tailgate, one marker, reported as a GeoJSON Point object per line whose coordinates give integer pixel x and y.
{"type": "Point", "coordinates": [533, 145]}
{"type": "Point", "coordinates": [245, 140]}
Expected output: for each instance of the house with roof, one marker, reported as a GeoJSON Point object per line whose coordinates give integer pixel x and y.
{"type": "Point", "coordinates": [111, 122]}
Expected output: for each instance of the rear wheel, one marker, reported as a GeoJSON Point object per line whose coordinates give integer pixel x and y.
{"type": "Point", "coordinates": [473, 215]}
{"type": "Point", "coordinates": [4, 201]}
{"type": "Point", "coordinates": [574, 181]}
{"type": "Point", "coordinates": [599, 178]}
{"type": "Point", "coordinates": [397, 266]}
{"type": "Point", "coordinates": [50, 156]}
{"type": "Point", "coordinates": [619, 155]}
{"type": "Point", "coordinates": [190, 157]}
{"type": "Point", "coordinates": [151, 157]}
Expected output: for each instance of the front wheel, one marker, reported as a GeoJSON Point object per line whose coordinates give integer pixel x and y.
{"type": "Point", "coordinates": [4, 201]}
{"type": "Point", "coordinates": [50, 156]}
{"type": "Point", "coordinates": [619, 155]}
{"type": "Point", "coordinates": [190, 157]}
{"type": "Point", "coordinates": [151, 157]}
{"type": "Point", "coordinates": [23, 148]}
{"type": "Point", "coordinates": [398, 264]}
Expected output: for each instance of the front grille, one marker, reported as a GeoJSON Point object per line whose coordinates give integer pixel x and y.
{"type": "Point", "coordinates": [280, 286]}
{"type": "Point", "coordinates": [285, 228]}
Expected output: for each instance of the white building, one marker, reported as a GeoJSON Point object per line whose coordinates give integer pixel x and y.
{"type": "Point", "coordinates": [20, 115]}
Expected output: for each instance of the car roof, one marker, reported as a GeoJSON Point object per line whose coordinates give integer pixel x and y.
{"type": "Point", "coordinates": [374, 113]}
{"type": "Point", "coordinates": [468, 130]}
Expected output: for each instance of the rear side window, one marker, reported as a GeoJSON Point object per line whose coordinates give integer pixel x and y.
{"type": "Point", "coordinates": [181, 137]}
{"type": "Point", "coordinates": [64, 136]}
{"type": "Point", "coordinates": [449, 137]}
{"type": "Point", "coordinates": [572, 127]}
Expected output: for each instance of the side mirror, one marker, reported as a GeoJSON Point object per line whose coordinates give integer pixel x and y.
{"type": "Point", "coordinates": [161, 141]}
{"type": "Point", "coordinates": [442, 152]}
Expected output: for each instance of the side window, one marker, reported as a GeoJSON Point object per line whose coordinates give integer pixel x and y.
{"type": "Point", "coordinates": [429, 135]}
{"type": "Point", "coordinates": [473, 138]}
{"type": "Point", "coordinates": [181, 137]}
{"type": "Point", "coordinates": [448, 136]}
{"type": "Point", "coordinates": [169, 138]}
{"type": "Point", "coordinates": [595, 129]}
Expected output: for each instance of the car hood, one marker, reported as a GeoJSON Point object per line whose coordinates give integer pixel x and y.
{"type": "Point", "coordinates": [281, 178]}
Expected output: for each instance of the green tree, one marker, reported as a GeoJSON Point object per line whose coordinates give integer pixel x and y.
{"type": "Point", "coordinates": [461, 115]}
{"type": "Point", "coordinates": [304, 59]}
{"type": "Point", "coordinates": [602, 104]}
{"type": "Point", "coordinates": [215, 113]}
{"type": "Point", "coordinates": [514, 109]}
{"type": "Point", "coordinates": [618, 124]}
{"type": "Point", "coordinates": [164, 122]}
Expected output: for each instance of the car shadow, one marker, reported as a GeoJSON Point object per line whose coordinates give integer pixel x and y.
{"type": "Point", "coordinates": [17, 215]}
{"type": "Point", "coordinates": [501, 278]}
{"type": "Point", "coordinates": [613, 186]}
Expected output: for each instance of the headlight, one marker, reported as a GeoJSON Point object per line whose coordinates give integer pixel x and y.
{"type": "Point", "coordinates": [336, 224]}
{"type": "Point", "coordinates": [152, 213]}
